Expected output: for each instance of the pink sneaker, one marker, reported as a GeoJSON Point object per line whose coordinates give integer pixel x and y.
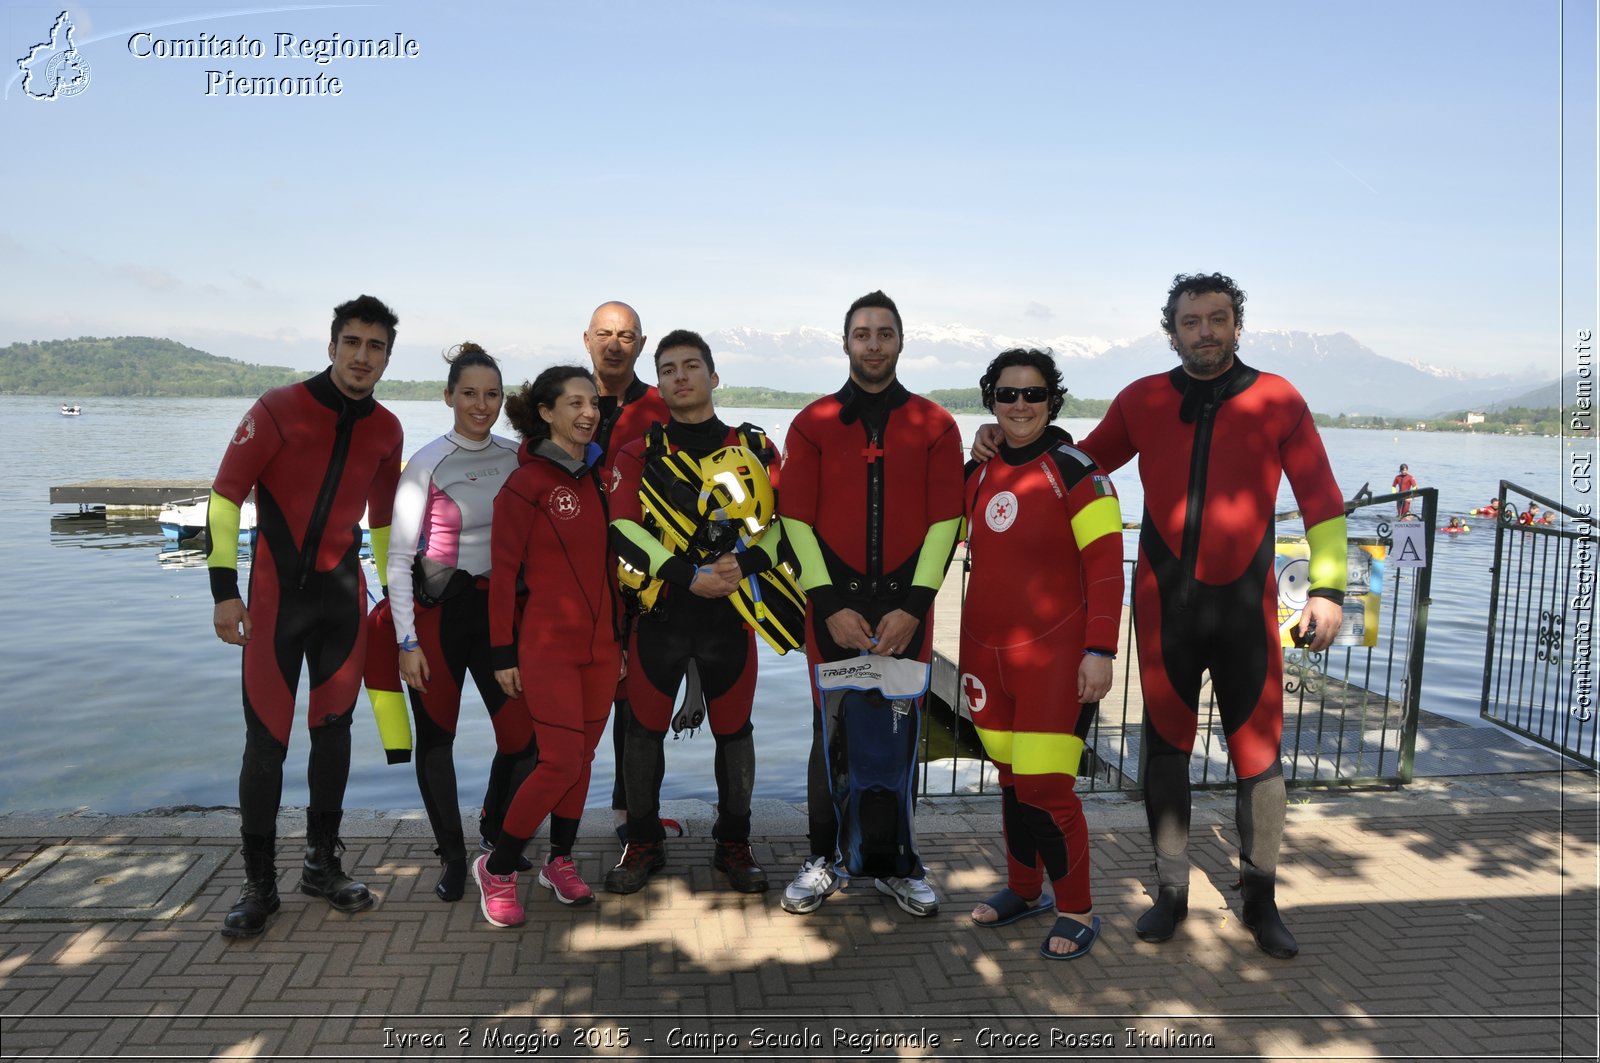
{"type": "Point", "coordinates": [497, 894]}
{"type": "Point", "coordinates": [561, 875]}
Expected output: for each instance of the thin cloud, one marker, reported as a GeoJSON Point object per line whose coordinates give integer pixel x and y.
{"type": "Point", "coordinates": [151, 277]}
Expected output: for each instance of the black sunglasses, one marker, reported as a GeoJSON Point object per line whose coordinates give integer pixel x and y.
{"type": "Point", "coordinates": [1006, 396]}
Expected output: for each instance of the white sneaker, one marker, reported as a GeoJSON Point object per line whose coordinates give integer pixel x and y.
{"type": "Point", "coordinates": [914, 895]}
{"type": "Point", "coordinates": [814, 882]}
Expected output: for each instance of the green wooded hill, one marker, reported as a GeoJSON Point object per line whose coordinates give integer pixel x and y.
{"type": "Point", "coordinates": [970, 400]}
{"type": "Point", "coordinates": [131, 366]}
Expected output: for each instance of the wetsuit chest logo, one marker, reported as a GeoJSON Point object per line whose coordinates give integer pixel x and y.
{"type": "Point", "coordinates": [1001, 511]}
{"type": "Point", "coordinates": [616, 477]}
{"type": "Point", "coordinates": [246, 430]}
{"type": "Point", "coordinates": [564, 503]}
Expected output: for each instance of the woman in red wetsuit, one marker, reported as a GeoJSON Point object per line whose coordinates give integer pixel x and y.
{"type": "Point", "coordinates": [1038, 634]}
{"type": "Point", "coordinates": [550, 528]}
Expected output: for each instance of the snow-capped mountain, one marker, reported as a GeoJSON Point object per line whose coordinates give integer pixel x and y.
{"type": "Point", "coordinates": [1336, 373]}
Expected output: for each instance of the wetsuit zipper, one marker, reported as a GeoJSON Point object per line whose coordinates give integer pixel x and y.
{"type": "Point", "coordinates": [330, 487]}
{"type": "Point", "coordinates": [1198, 465]}
{"type": "Point", "coordinates": [874, 508]}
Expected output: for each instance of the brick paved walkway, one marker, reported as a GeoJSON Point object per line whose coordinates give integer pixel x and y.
{"type": "Point", "coordinates": [1454, 919]}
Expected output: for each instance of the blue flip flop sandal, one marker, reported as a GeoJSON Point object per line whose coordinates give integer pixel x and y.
{"type": "Point", "coordinates": [1010, 907]}
{"type": "Point", "coordinates": [1083, 936]}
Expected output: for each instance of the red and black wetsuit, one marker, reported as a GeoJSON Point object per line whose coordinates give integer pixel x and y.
{"type": "Point", "coordinates": [550, 525]}
{"type": "Point", "coordinates": [1211, 456]}
{"type": "Point", "coordinates": [871, 504]}
{"type": "Point", "coordinates": [1402, 483]}
{"type": "Point", "coordinates": [623, 419]}
{"type": "Point", "coordinates": [682, 627]}
{"type": "Point", "coordinates": [628, 417]}
{"type": "Point", "coordinates": [1025, 627]}
{"type": "Point", "coordinates": [316, 460]}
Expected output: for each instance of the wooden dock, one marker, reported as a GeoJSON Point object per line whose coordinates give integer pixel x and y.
{"type": "Point", "coordinates": [128, 494]}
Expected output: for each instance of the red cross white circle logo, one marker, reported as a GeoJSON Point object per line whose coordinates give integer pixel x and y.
{"type": "Point", "coordinates": [1001, 511]}
{"type": "Point", "coordinates": [973, 689]}
{"type": "Point", "coordinates": [564, 503]}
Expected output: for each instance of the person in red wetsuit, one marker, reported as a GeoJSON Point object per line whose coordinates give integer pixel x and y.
{"type": "Point", "coordinates": [871, 503]}
{"type": "Point", "coordinates": [692, 623]}
{"type": "Point", "coordinates": [1403, 482]}
{"type": "Point", "coordinates": [1036, 661]}
{"type": "Point", "coordinates": [563, 659]}
{"type": "Point", "coordinates": [317, 454]}
{"type": "Point", "coordinates": [628, 407]}
{"type": "Point", "coordinates": [1214, 438]}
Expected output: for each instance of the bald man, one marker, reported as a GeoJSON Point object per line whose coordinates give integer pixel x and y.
{"type": "Point", "coordinates": [628, 407]}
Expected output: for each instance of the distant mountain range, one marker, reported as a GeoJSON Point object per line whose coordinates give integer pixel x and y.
{"type": "Point", "coordinates": [1545, 395]}
{"type": "Point", "coordinates": [1336, 373]}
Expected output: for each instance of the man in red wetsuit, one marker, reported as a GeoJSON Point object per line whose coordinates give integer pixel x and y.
{"type": "Point", "coordinates": [1214, 438]}
{"type": "Point", "coordinates": [1403, 482]}
{"type": "Point", "coordinates": [871, 503]}
{"type": "Point", "coordinates": [628, 407]}
{"type": "Point", "coordinates": [317, 454]}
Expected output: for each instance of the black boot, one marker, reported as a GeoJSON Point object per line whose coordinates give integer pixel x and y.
{"type": "Point", "coordinates": [1261, 916]}
{"type": "Point", "coordinates": [259, 899]}
{"type": "Point", "coordinates": [453, 879]}
{"type": "Point", "coordinates": [1171, 907]}
{"type": "Point", "coordinates": [322, 876]}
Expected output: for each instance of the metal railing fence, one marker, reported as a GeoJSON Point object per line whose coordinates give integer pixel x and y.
{"type": "Point", "coordinates": [1537, 678]}
{"type": "Point", "coordinates": [1350, 713]}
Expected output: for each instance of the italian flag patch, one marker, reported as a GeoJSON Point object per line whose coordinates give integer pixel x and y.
{"type": "Point", "coordinates": [1102, 486]}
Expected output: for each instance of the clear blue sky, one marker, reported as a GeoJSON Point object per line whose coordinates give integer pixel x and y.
{"type": "Point", "coordinates": [1386, 169]}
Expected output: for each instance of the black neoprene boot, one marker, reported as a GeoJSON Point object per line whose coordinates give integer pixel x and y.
{"type": "Point", "coordinates": [453, 879]}
{"type": "Point", "coordinates": [259, 898]}
{"type": "Point", "coordinates": [322, 875]}
{"type": "Point", "coordinates": [1171, 907]}
{"type": "Point", "coordinates": [1261, 916]}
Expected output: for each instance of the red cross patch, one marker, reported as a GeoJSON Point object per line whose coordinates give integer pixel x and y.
{"type": "Point", "coordinates": [973, 690]}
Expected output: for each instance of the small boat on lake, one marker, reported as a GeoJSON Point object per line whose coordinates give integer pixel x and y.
{"type": "Point", "coordinates": [71, 409]}
{"type": "Point", "coordinates": [181, 521]}
{"type": "Point", "coordinates": [185, 520]}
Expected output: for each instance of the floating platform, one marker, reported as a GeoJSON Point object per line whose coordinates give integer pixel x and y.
{"type": "Point", "coordinates": [128, 494]}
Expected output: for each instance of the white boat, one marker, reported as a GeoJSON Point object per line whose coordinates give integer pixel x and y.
{"type": "Point", "coordinates": [181, 521]}
{"type": "Point", "coordinates": [71, 410]}
{"type": "Point", "coordinates": [185, 520]}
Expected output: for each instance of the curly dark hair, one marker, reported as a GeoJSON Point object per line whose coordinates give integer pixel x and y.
{"type": "Point", "coordinates": [368, 308]}
{"type": "Point", "coordinates": [467, 355]}
{"type": "Point", "coordinates": [1200, 284]}
{"type": "Point", "coordinates": [1044, 361]}
{"type": "Point", "coordinates": [522, 408]}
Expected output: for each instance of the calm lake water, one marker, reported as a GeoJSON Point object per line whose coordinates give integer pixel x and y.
{"type": "Point", "coordinates": [118, 697]}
